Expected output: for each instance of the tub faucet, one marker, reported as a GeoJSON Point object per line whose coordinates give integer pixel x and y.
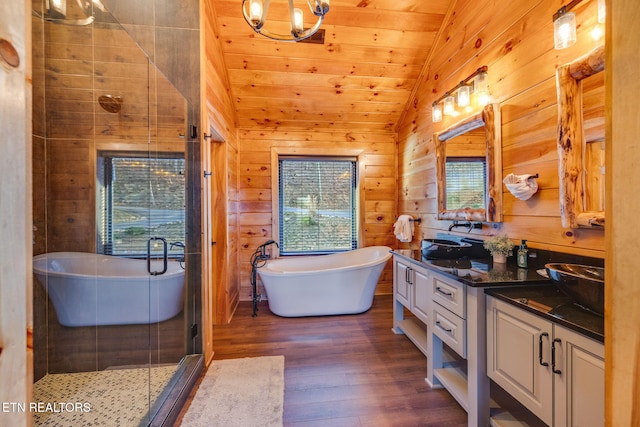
{"type": "Point", "coordinates": [180, 245]}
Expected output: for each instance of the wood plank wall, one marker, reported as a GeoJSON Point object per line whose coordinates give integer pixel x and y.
{"type": "Point", "coordinates": [15, 226]}
{"type": "Point", "coordinates": [255, 204]}
{"type": "Point", "coordinates": [515, 40]}
{"type": "Point", "coordinates": [221, 284]}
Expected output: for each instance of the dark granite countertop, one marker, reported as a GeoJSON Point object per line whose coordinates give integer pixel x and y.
{"type": "Point", "coordinates": [476, 272]}
{"type": "Point", "coordinates": [549, 302]}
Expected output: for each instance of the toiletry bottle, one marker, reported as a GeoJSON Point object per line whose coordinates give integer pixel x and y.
{"type": "Point", "coordinates": [523, 254]}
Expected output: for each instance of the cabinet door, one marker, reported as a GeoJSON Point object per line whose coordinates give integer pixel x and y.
{"type": "Point", "coordinates": [518, 356]}
{"type": "Point", "coordinates": [402, 283]}
{"type": "Point", "coordinates": [579, 387]}
{"type": "Point", "coordinates": [421, 294]}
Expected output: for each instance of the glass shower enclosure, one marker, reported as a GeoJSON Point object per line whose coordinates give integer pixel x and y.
{"type": "Point", "coordinates": [113, 326]}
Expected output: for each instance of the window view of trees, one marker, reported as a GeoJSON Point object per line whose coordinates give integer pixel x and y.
{"type": "Point", "coordinates": [141, 198]}
{"type": "Point", "coordinates": [317, 205]}
{"type": "Point", "coordinates": [465, 183]}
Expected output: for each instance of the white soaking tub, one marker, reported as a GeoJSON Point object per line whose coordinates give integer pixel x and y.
{"type": "Point", "coordinates": [90, 289]}
{"type": "Point", "coordinates": [341, 283]}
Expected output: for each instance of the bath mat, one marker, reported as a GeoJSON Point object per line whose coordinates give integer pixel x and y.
{"type": "Point", "coordinates": [245, 392]}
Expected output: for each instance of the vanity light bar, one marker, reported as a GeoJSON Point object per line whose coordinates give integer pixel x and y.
{"type": "Point", "coordinates": [478, 80]}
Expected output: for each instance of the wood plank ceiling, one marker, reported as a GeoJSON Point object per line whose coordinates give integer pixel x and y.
{"type": "Point", "coordinates": [360, 78]}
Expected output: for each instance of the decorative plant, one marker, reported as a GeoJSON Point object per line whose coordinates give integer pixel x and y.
{"type": "Point", "coordinates": [499, 245]}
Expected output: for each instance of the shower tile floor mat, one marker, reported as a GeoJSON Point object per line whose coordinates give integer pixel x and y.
{"type": "Point", "coordinates": [114, 397]}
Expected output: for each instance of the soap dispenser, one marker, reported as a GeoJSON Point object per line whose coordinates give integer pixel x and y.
{"type": "Point", "coordinates": [523, 254]}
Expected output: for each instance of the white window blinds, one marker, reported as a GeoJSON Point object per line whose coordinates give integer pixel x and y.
{"type": "Point", "coordinates": [317, 205]}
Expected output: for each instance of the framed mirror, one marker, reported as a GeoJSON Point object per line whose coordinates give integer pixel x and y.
{"type": "Point", "coordinates": [580, 89]}
{"type": "Point", "coordinates": [469, 168]}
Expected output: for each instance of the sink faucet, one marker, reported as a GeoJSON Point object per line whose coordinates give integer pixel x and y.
{"type": "Point", "coordinates": [469, 225]}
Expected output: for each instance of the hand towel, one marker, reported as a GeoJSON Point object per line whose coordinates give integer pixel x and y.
{"type": "Point", "coordinates": [521, 186]}
{"type": "Point", "coordinates": [403, 228]}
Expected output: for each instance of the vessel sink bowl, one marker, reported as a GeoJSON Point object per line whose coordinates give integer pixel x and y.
{"type": "Point", "coordinates": [583, 283]}
{"type": "Point", "coordinates": [444, 249]}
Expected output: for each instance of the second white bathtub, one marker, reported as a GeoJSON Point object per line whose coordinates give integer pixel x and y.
{"type": "Point", "coordinates": [341, 283]}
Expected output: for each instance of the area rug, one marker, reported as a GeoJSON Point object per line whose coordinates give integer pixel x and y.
{"type": "Point", "coordinates": [245, 392]}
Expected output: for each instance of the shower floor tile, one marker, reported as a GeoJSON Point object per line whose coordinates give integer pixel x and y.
{"type": "Point", "coordinates": [112, 397]}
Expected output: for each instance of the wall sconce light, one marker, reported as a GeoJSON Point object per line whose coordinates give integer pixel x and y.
{"type": "Point", "coordinates": [564, 25]}
{"type": "Point", "coordinates": [476, 84]}
{"type": "Point", "coordinates": [255, 13]}
{"type": "Point", "coordinates": [464, 95]}
{"type": "Point", "coordinates": [564, 28]}
{"type": "Point", "coordinates": [436, 112]}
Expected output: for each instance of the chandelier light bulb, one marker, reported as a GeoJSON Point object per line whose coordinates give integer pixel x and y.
{"type": "Point", "coordinates": [298, 22]}
{"type": "Point", "coordinates": [57, 8]}
{"type": "Point", "coordinates": [564, 31]}
{"type": "Point", "coordinates": [255, 11]}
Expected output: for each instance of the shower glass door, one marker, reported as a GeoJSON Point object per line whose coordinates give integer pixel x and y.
{"type": "Point", "coordinates": [110, 135]}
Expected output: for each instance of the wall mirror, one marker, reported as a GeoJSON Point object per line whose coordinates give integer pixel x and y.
{"type": "Point", "coordinates": [580, 89]}
{"type": "Point", "coordinates": [469, 168]}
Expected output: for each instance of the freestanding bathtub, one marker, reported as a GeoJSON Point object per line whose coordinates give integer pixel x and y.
{"type": "Point", "coordinates": [341, 283]}
{"type": "Point", "coordinates": [91, 289]}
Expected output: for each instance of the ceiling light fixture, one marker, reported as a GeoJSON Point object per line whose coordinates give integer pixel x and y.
{"type": "Point", "coordinates": [476, 84]}
{"type": "Point", "coordinates": [255, 13]}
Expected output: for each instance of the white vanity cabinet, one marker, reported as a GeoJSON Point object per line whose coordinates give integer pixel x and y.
{"type": "Point", "coordinates": [556, 373]}
{"type": "Point", "coordinates": [412, 289]}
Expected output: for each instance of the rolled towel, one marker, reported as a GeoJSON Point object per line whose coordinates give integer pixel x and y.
{"type": "Point", "coordinates": [403, 228]}
{"type": "Point", "coordinates": [521, 186]}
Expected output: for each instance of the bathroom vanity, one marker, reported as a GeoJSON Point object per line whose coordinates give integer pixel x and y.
{"type": "Point", "coordinates": [443, 302]}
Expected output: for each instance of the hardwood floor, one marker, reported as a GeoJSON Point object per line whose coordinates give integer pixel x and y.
{"type": "Point", "coordinates": [342, 370]}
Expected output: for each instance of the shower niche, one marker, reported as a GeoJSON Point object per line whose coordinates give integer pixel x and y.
{"type": "Point", "coordinates": [111, 160]}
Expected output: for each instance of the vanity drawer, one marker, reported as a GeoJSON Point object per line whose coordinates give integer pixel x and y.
{"type": "Point", "coordinates": [451, 329]}
{"type": "Point", "coordinates": [450, 294]}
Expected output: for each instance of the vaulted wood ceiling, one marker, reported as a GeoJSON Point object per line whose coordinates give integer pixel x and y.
{"type": "Point", "coordinates": [359, 79]}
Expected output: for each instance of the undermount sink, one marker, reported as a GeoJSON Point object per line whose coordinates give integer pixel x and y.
{"type": "Point", "coordinates": [444, 249]}
{"type": "Point", "coordinates": [583, 283]}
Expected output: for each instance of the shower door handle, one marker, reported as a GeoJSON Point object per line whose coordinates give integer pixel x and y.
{"type": "Point", "coordinates": [165, 256]}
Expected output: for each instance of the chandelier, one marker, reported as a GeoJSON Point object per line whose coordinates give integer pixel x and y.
{"type": "Point", "coordinates": [255, 13]}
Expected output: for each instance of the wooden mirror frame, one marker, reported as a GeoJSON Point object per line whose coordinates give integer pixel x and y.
{"type": "Point", "coordinates": [489, 117]}
{"type": "Point", "coordinates": [571, 141]}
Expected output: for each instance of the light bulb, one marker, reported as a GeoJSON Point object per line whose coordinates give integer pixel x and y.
{"type": "Point", "coordinates": [481, 89]}
{"type": "Point", "coordinates": [464, 95]}
{"type": "Point", "coordinates": [436, 113]}
{"type": "Point", "coordinates": [298, 20]}
{"type": "Point", "coordinates": [449, 105]}
{"type": "Point", "coordinates": [57, 8]}
{"type": "Point", "coordinates": [597, 33]}
{"type": "Point", "coordinates": [255, 7]}
{"type": "Point", "coordinates": [602, 11]}
{"type": "Point", "coordinates": [564, 31]}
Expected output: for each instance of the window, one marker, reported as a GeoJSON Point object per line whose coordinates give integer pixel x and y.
{"type": "Point", "coordinates": [465, 179]}
{"type": "Point", "coordinates": [138, 198]}
{"type": "Point", "coordinates": [317, 205]}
